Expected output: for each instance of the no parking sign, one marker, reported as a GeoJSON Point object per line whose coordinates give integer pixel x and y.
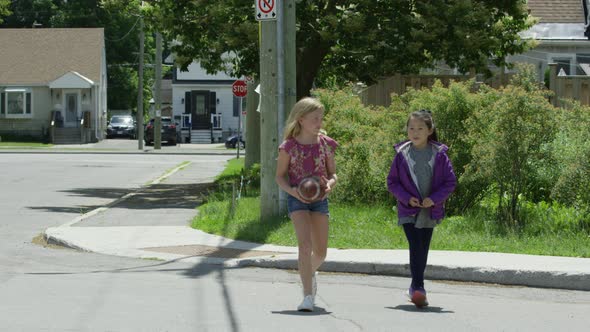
{"type": "Point", "coordinates": [266, 10]}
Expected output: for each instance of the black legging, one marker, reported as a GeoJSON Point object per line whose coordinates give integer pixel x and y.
{"type": "Point", "coordinates": [419, 240]}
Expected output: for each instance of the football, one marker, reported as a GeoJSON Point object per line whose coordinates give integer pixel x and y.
{"type": "Point", "coordinates": [310, 189]}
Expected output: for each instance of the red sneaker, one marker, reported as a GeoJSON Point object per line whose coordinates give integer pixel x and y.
{"type": "Point", "coordinates": [418, 297]}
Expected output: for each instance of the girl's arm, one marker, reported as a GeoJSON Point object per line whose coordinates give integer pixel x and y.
{"type": "Point", "coordinates": [282, 173]}
{"type": "Point", "coordinates": [448, 186]}
{"type": "Point", "coordinates": [394, 184]}
{"type": "Point", "coordinates": [330, 181]}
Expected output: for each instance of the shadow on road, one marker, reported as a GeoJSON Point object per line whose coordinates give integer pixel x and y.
{"type": "Point", "coordinates": [318, 311]}
{"type": "Point", "coordinates": [157, 196]}
{"type": "Point", "coordinates": [429, 309]}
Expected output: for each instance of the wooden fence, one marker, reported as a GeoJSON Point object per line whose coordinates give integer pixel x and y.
{"type": "Point", "coordinates": [380, 93]}
{"type": "Point", "coordinates": [576, 87]}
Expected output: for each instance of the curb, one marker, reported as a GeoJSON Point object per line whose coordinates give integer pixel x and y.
{"type": "Point", "coordinates": [527, 278]}
{"type": "Point", "coordinates": [339, 263]}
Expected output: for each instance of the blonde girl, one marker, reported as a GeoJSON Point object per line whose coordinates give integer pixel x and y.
{"type": "Point", "coordinates": [307, 152]}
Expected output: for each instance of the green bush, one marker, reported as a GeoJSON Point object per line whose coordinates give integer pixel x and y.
{"type": "Point", "coordinates": [508, 142]}
{"type": "Point", "coordinates": [367, 136]}
{"type": "Point", "coordinates": [571, 149]}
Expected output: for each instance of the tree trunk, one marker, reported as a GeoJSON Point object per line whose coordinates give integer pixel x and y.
{"type": "Point", "coordinates": [309, 61]}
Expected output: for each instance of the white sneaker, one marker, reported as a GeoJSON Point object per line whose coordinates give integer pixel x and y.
{"type": "Point", "coordinates": [307, 304]}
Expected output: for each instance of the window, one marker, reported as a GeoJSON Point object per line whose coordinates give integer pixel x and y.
{"type": "Point", "coordinates": [2, 104]}
{"type": "Point", "coordinates": [563, 63]}
{"type": "Point", "coordinates": [16, 103]}
{"type": "Point", "coordinates": [582, 59]}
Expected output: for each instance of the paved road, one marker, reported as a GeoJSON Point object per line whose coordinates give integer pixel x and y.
{"type": "Point", "coordinates": [45, 289]}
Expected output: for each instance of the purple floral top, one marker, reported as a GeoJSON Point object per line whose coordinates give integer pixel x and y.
{"type": "Point", "coordinates": [308, 159]}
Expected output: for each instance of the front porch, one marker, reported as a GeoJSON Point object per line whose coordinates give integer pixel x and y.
{"type": "Point", "coordinates": [80, 133]}
{"type": "Point", "coordinates": [199, 133]}
{"type": "Point", "coordinates": [73, 118]}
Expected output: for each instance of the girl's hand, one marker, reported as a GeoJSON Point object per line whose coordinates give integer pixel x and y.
{"type": "Point", "coordinates": [414, 202]}
{"type": "Point", "coordinates": [427, 202]}
{"type": "Point", "coordinates": [325, 184]}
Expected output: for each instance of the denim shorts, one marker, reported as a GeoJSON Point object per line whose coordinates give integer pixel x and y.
{"type": "Point", "coordinates": [293, 204]}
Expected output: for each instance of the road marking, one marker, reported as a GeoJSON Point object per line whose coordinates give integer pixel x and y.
{"type": "Point", "coordinates": [127, 196]}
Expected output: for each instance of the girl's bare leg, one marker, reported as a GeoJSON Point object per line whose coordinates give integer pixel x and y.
{"type": "Point", "coordinates": [302, 221]}
{"type": "Point", "coordinates": [319, 239]}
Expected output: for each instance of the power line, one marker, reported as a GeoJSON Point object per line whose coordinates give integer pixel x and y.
{"type": "Point", "coordinates": [127, 34]}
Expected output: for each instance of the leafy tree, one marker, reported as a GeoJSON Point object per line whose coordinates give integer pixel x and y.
{"type": "Point", "coordinates": [24, 13]}
{"type": "Point", "coordinates": [4, 9]}
{"type": "Point", "coordinates": [362, 40]}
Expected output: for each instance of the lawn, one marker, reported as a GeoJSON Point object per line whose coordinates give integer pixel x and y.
{"type": "Point", "coordinates": [23, 145]}
{"type": "Point", "coordinates": [375, 227]}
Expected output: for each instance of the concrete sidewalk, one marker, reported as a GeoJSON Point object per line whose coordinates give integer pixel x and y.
{"type": "Point", "coordinates": [121, 146]}
{"type": "Point", "coordinates": [128, 228]}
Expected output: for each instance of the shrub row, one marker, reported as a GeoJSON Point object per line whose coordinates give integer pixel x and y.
{"type": "Point", "coordinates": [510, 143]}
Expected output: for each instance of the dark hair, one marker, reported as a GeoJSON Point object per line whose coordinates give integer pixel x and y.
{"type": "Point", "coordinates": [426, 116]}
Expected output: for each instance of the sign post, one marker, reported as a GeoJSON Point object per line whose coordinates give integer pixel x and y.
{"type": "Point", "coordinates": [240, 90]}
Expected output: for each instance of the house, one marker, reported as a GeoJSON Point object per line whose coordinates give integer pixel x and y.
{"type": "Point", "coordinates": [53, 84]}
{"type": "Point", "coordinates": [204, 105]}
{"type": "Point", "coordinates": [562, 35]}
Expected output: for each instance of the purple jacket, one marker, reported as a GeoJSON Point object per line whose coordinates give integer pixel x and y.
{"type": "Point", "coordinates": [402, 184]}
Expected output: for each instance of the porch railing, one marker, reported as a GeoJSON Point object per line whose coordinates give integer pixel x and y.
{"type": "Point", "coordinates": [186, 122]}
{"type": "Point", "coordinates": [216, 121]}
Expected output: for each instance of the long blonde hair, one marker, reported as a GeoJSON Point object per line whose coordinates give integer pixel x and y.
{"type": "Point", "coordinates": [301, 108]}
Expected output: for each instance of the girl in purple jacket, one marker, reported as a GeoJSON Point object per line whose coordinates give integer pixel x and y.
{"type": "Point", "coordinates": [421, 178]}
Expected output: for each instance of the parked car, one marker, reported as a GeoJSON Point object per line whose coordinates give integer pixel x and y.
{"type": "Point", "coordinates": [232, 141]}
{"type": "Point", "coordinates": [169, 131]}
{"type": "Point", "coordinates": [121, 126]}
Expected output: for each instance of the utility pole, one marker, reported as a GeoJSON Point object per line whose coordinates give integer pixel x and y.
{"type": "Point", "coordinates": [269, 190]}
{"type": "Point", "coordinates": [157, 95]}
{"type": "Point", "coordinates": [252, 126]}
{"type": "Point", "coordinates": [277, 59]}
{"type": "Point", "coordinates": [290, 57]}
{"type": "Point", "coordinates": [139, 116]}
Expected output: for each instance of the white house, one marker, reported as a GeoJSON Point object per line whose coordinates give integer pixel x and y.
{"type": "Point", "coordinates": [562, 36]}
{"type": "Point", "coordinates": [53, 84]}
{"type": "Point", "coordinates": [204, 105]}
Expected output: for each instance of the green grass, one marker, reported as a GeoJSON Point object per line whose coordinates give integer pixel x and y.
{"type": "Point", "coordinates": [375, 227]}
{"type": "Point", "coordinates": [555, 230]}
{"type": "Point", "coordinates": [234, 168]}
{"type": "Point", "coordinates": [23, 145]}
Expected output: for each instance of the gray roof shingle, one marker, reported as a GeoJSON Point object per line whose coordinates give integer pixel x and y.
{"type": "Point", "coordinates": [39, 56]}
{"type": "Point", "coordinates": [557, 11]}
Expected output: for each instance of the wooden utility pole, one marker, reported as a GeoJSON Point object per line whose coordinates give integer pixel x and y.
{"type": "Point", "coordinates": [157, 94]}
{"type": "Point", "coordinates": [289, 76]}
{"type": "Point", "coordinates": [269, 190]}
{"type": "Point", "coordinates": [290, 57]}
{"type": "Point", "coordinates": [139, 115]}
{"type": "Point", "coordinates": [252, 127]}
{"type": "Point", "coordinates": [277, 96]}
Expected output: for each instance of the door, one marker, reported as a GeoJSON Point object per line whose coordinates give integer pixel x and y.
{"type": "Point", "coordinates": [71, 109]}
{"type": "Point", "coordinates": [200, 111]}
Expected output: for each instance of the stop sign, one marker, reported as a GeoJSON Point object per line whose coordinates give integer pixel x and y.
{"type": "Point", "coordinates": [239, 88]}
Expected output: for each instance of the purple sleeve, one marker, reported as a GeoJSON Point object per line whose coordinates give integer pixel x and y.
{"type": "Point", "coordinates": [286, 145]}
{"type": "Point", "coordinates": [449, 183]}
{"type": "Point", "coordinates": [332, 144]}
{"type": "Point", "coordinates": [393, 181]}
